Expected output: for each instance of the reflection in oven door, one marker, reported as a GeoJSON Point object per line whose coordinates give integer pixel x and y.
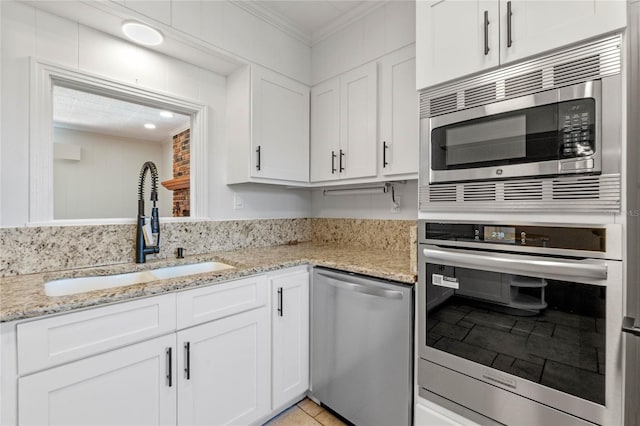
{"type": "Point", "coordinates": [546, 331]}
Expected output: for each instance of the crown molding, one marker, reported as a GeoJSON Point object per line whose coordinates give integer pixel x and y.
{"type": "Point", "coordinates": [346, 19]}
{"type": "Point", "coordinates": [274, 18]}
{"type": "Point", "coordinates": [289, 27]}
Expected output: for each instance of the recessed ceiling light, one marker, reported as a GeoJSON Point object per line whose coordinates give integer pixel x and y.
{"type": "Point", "coordinates": [149, 126]}
{"type": "Point", "coordinates": [141, 33]}
{"type": "Point", "coordinates": [166, 114]}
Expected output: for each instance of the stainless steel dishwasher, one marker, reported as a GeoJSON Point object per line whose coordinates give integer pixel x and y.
{"type": "Point", "coordinates": [362, 347]}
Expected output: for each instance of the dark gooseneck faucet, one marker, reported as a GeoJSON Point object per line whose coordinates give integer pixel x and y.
{"type": "Point", "coordinates": [147, 235]}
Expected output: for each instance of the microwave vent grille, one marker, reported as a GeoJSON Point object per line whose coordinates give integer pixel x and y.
{"type": "Point", "coordinates": [580, 189]}
{"type": "Point", "coordinates": [560, 194]}
{"type": "Point", "coordinates": [441, 193]}
{"type": "Point", "coordinates": [578, 70]}
{"type": "Point", "coordinates": [523, 190]}
{"type": "Point", "coordinates": [480, 95]}
{"type": "Point", "coordinates": [442, 104]}
{"type": "Point", "coordinates": [522, 84]}
{"type": "Point", "coordinates": [592, 60]}
{"type": "Point", "coordinates": [479, 192]}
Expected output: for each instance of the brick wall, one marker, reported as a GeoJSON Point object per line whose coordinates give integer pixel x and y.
{"type": "Point", "coordinates": [181, 167]}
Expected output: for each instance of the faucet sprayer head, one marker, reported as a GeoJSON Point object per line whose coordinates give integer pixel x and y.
{"type": "Point", "coordinates": [154, 181]}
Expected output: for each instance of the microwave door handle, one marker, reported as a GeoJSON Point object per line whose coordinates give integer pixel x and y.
{"type": "Point", "coordinates": [517, 264]}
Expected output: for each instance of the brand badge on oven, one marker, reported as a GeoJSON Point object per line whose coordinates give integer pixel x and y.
{"type": "Point", "coordinates": [443, 281]}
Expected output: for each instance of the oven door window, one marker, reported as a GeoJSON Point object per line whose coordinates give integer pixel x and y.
{"type": "Point", "coordinates": [541, 133]}
{"type": "Point", "coordinates": [545, 331]}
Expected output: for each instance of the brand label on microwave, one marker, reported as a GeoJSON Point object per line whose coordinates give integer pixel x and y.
{"type": "Point", "coordinates": [443, 281]}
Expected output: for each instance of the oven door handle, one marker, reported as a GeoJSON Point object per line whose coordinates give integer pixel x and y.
{"type": "Point", "coordinates": [518, 264]}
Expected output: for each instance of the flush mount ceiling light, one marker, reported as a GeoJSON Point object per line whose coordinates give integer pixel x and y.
{"type": "Point", "coordinates": [141, 33]}
{"type": "Point", "coordinates": [149, 126]}
{"type": "Point", "coordinates": [166, 114]}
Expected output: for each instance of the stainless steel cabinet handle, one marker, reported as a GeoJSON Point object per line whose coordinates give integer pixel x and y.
{"type": "Point", "coordinates": [280, 304]}
{"type": "Point", "coordinates": [364, 289]}
{"type": "Point", "coordinates": [509, 14]}
{"type": "Point", "coordinates": [333, 162]}
{"type": "Point", "coordinates": [628, 326]}
{"type": "Point", "coordinates": [486, 32]}
{"type": "Point", "coordinates": [187, 360]}
{"type": "Point", "coordinates": [169, 367]}
{"type": "Point", "coordinates": [258, 151]}
{"type": "Point", "coordinates": [517, 264]}
{"type": "Point", "coordinates": [384, 154]}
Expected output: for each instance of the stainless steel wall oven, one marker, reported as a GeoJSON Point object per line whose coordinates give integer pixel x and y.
{"type": "Point", "coordinates": [521, 323]}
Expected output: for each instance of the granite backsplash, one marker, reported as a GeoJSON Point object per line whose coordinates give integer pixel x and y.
{"type": "Point", "coordinates": [27, 250]}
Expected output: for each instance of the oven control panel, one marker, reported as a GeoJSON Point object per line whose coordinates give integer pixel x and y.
{"type": "Point", "coordinates": [588, 239]}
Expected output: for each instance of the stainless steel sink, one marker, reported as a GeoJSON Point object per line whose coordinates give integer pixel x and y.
{"type": "Point", "coordinates": [69, 286]}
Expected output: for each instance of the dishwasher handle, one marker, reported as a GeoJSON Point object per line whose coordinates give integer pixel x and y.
{"type": "Point", "coordinates": [345, 283]}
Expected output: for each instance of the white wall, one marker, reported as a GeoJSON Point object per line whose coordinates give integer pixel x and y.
{"type": "Point", "coordinates": [103, 183]}
{"type": "Point", "coordinates": [27, 32]}
{"type": "Point", "coordinates": [383, 30]}
{"type": "Point", "coordinates": [232, 28]}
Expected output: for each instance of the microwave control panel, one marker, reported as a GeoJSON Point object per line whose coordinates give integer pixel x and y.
{"type": "Point", "coordinates": [577, 128]}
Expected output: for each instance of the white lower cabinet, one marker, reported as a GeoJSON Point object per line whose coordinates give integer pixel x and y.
{"type": "Point", "coordinates": [290, 336]}
{"type": "Point", "coordinates": [215, 367]}
{"type": "Point", "coordinates": [134, 385]}
{"type": "Point", "coordinates": [224, 370]}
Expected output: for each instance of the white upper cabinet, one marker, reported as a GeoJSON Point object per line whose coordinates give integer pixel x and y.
{"type": "Point", "coordinates": [325, 130]}
{"type": "Point", "coordinates": [358, 124]}
{"type": "Point", "coordinates": [538, 26]}
{"type": "Point", "coordinates": [344, 126]}
{"type": "Point", "coordinates": [280, 127]}
{"type": "Point", "coordinates": [268, 127]}
{"type": "Point", "coordinates": [459, 38]}
{"type": "Point", "coordinates": [399, 113]}
{"type": "Point", "coordinates": [455, 38]}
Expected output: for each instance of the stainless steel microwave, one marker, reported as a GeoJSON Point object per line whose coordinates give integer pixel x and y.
{"type": "Point", "coordinates": [549, 133]}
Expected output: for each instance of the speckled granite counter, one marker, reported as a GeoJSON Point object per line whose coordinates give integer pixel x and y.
{"type": "Point", "coordinates": [23, 296]}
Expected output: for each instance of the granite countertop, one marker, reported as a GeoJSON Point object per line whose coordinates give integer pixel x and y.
{"type": "Point", "coordinates": [23, 296]}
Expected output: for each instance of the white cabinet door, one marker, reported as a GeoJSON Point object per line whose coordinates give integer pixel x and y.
{"type": "Point", "coordinates": [325, 130]}
{"type": "Point", "coordinates": [280, 127]}
{"type": "Point", "coordinates": [450, 39]}
{"type": "Point", "coordinates": [128, 386]}
{"type": "Point", "coordinates": [539, 26]}
{"type": "Point", "coordinates": [358, 122]}
{"type": "Point", "coordinates": [290, 336]}
{"type": "Point", "coordinates": [399, 113]}
{"type": "Point", "coordinates": [224, 370]}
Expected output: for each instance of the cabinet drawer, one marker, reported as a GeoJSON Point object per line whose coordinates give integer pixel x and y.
{"type": "Point", "coordinates": [221, 300]}
{"type": "Point", "coordinates": [52, 341]}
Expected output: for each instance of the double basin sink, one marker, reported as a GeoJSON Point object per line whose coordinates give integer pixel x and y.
{"type": "Point", "coordinates": [70, 286]}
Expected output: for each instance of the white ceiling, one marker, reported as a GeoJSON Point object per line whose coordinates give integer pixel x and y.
{"type": "Point", "coordinates": [99, 114]}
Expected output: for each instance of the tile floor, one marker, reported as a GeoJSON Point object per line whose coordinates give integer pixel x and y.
{"type": "Point", "coordinates": [305, 413]}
